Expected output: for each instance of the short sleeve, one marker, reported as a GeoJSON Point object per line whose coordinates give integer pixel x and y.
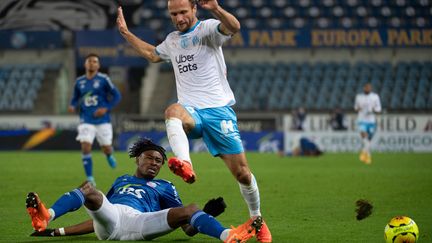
{"type": "Point", "coordinates": [211, 27]}
{"type": "Point", "coordinates": [162, 50]}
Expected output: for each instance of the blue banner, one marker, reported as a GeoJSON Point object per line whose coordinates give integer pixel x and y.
{"type": "Point", "coordinates": [30, 39]}
{"type": "Point", "coordinates": [331, 38]}
{"type": "Point", "coordinates": [252, 141]}
{"type": "Point", "coordinates": [111, 47]}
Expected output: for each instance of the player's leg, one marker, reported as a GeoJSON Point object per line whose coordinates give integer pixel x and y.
{"type": "Point", "coordinates": [104, 136]}
{"type": "Point", "coordinates": [362, 127]}
{"type": "Point", "coordinates": [223, 139]}
{"type": "Point", "coordinates": [178, 122]}
{"type": "Point", "coordinates": [208, 225]}
{"type": "Point", "coordinates": [371, 128]}
{"type": "Point", "coordinates": [86, 135]}
{"type": "Point", "coordinates": [41, 216]}
{"type": "Point", "coordinates": [238, 166]}
{"type": "Point", "coordinates": [105, 215]}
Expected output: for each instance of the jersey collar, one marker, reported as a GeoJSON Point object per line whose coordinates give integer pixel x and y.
{"type": "Point", "coordinates": [191, 29]}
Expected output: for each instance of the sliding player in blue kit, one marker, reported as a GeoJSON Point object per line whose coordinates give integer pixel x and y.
{"type": "Point", "coordinates": [94, 96]}
{"type": "Point", "coordinates": [137, 207]}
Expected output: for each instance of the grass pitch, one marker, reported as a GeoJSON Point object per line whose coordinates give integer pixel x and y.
{"type": "Point", "coordinates": [303, 199]}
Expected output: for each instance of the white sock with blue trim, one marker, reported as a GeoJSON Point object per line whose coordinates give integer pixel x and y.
{"type": "Point", "coordinates": [251, 195]}
{"type": "Point", "coordinates": [178, 139]}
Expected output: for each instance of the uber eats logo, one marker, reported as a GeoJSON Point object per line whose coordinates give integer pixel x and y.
{"type": "Point", "coordinates": [184, 63]}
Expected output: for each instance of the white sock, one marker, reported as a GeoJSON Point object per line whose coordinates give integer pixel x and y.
{"type": "Point", "coordinates": [366, 145]}
{"type": "Point", "coordinates": [52, 214]}
{"type": "Point", "coordinates": [224, 235]}
{"type": "Point", "coordinates": [250, 194]}
{"type": "Point", "coordinates": [177, 138]}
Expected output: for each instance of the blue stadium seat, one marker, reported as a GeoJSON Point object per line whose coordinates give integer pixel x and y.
{"type": "Point", "coordinates": [420, 103]}
{"type": "Point", "coordinates": [4, 103]}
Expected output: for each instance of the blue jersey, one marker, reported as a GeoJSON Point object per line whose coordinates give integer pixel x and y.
{"type": "Point", "coordinates": [91, 94]}
{"type": "Point", "coordinates": [308, 147]}
{"type": "Point", "coordinates": [143, 194]}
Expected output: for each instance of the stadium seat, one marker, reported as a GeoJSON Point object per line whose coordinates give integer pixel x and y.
{"type": "Point", "coordinates": [323, 85]}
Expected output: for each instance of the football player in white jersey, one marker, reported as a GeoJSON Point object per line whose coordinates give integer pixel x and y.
{"type": "Point", "coordinates": [204, 95]}
{"type": "Point", "coordinates": [366, 105]}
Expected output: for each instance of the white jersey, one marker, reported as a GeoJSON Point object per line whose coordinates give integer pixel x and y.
{"type": "Point", "coordinates": [367, 104]}
{"type": "Point", "coordinates": [199, 65]}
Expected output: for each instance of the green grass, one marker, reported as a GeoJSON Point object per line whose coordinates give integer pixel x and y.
{"type": "Point", "coordinates": [303, 199]}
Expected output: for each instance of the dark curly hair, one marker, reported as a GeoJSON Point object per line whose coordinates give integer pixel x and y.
{"type": "Point", "coordinates": [145, 144]}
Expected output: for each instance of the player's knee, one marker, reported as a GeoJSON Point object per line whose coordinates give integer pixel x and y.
{"type": "Point", "coordinates": [88, 190]}
{"type": "Point", "coordinates": [243, 176]}
{"type": "Point", "coordinates": [190, 210]}
{"type": "Point", "coordinates": [107, 149]}
{"type": "Point", "coordinates": [173, 111]}
{"type": "Point", "coordinates": [86, 148]}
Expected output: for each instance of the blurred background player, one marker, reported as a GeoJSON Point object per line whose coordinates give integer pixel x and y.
{"type": "Point", "coordinates": [93, 97]}
{"type": "Point", "coordinates": [204, 95]}
{"type": "Point", "coordinates": [126, 214]}
{"type": "Point", "coordinates": [366, 105]}
{"type": "Point", "coordinates": [303, 146]}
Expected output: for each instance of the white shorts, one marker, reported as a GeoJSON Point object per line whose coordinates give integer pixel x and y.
{"type": "Point", "coordinates": [102, 132]}
{"type": "Point", "coordinates": [121, 222]}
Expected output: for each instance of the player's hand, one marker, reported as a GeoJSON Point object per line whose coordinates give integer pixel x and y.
{"type": "Point", "coordinates": [208, 4]}
{"type": "Point", "coordinates": [215, 207]}
{"type": "Point", "coordinates": [46, 232]}
{"type": "Point", "coordinates": [121, 22]}
{"type": "Point", "coordinates": [100, 112]}
{"type": "Point", "coordinates": [71, 109]}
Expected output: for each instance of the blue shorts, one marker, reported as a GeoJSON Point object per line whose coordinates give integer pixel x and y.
{"type": "Point", "coordinates": [367, 127]}
{"type": "Point", "coordinates": [218, 128]}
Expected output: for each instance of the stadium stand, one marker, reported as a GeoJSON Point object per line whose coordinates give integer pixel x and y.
{"type": "Point", "coordinates": [317, 85]}
{"type": "Point", "coordinates": [325, 85]}
{"type": "Point", "coordinates": [265, 14]}
{"type": "Point", "coordinates": [21, 84]}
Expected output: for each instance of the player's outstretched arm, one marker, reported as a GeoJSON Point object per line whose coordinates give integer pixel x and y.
{"type": "Point", "coordinates": [229, 23]}
{"type": "Point", "coordinates": [83, 228]}
{"type": "Point", "coordinates": [143, 48]}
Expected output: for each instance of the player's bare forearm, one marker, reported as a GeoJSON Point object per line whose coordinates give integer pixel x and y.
{"type": "Point", "coordinates": [143, 48]}
{"type": "Point", "coordinates": [85, 227]}
{"type": "Point", "coordinates": [230, 24]}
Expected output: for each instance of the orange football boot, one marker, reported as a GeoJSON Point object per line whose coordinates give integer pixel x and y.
{"type": "Point", "coordinates": [264, 234]}
{"type": "Point", "coordinates": [37, 211]}
{"type": "Point", "coordinates": [244, 232]}
{"type": "Point", "coordinates": [183, 169]}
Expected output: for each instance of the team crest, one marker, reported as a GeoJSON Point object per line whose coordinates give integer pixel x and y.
{"type": "Point", "coordinates": [184, 43]}
{"type": "Point", "coordinates": [151, 184]}
{"type": "Point", "coordinates": [195, 40]}
{"type": "Point", "coordinates": [82, 84]}
{"type": "Point", "coordinates": [96, 84]}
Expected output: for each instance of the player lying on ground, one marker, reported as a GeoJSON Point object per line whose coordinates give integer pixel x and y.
{"type": "Point", "coordinates": [138, 207]}
{"type": "Point", "coordinates": [214, 207]}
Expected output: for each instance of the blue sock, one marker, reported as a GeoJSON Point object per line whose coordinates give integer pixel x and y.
{"type": "Point", "coordinates": [88, 164]}
{"type": "Point", "coordinates": [111, 160]}
{"type": "Point", "coordinates": [206, 224]}
{"type": "Point", "coordinates": [70, 201]}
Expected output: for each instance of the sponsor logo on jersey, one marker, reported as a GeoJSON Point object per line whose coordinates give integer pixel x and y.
{"type": "Point", "coordinates": [184, 63]}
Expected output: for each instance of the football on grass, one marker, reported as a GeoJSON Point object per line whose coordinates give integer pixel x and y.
{"type": "Point", "coordinates": [401, 229]}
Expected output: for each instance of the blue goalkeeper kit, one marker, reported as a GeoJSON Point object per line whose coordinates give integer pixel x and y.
{"type": "Point", "coordinates": [145, 195]}
{"type": "Point", "coordinates": [91, 94]}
